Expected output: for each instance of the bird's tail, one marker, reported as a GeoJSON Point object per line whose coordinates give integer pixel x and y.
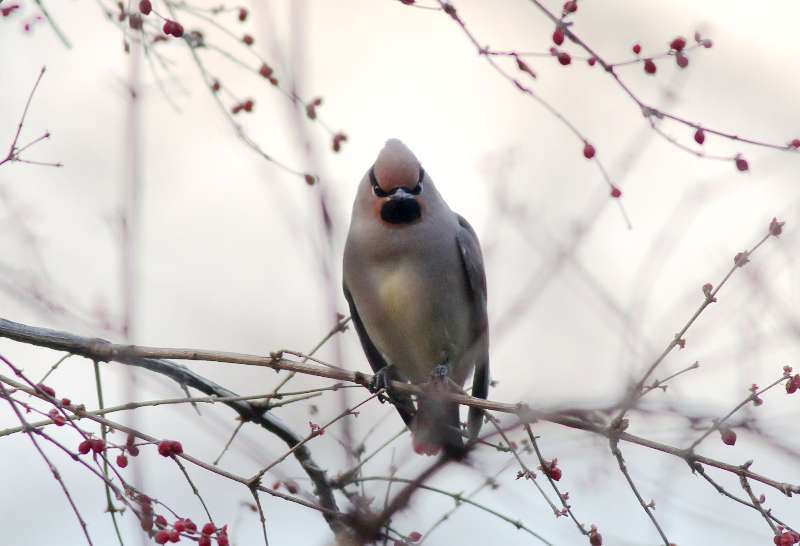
{"type": "Point", "coordinates": [437, 426]}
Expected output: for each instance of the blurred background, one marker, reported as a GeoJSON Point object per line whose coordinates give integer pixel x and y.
{"type": "Point", "coordinates": [225, 250]}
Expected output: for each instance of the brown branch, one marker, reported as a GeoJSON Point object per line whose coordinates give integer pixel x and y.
{"type": "Point", "coordinates": [646, 109]}
{"type": "Point", "coordinates": [722, 491]}
{"type": "Point", "coordinates": [678, 339]}
{"type": "Point", "coordinates": [485, 53]}
{"type": "Point", "coordinates": [95, 349]}
{"type": "Point", "coordinates": [150, 358]}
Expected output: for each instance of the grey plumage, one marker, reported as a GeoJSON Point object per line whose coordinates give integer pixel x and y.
{"type": "Point", "coordinates": [415, 284]}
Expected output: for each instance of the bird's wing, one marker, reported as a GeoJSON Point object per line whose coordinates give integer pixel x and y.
{"type": "Point", "coordinates": [376, 361]}
{"type": "Point", "coordinates": [472, 262]}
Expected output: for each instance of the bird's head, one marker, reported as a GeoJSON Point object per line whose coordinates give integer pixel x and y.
{"type": "Point", "coordinates": [397, 185]}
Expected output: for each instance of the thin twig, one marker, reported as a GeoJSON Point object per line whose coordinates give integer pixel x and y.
{"type": "Point", "coordinates": [543, 463]}
{"type": "Point", "coordinates": [458, 498]}
{"type": "Point", "coordinates": [752, 398]}
{"type": "Point", "coordinates": [110, 508]}
{"type": "Point", "coordinates": [647, 507]}
{"type": "Point", "coordinates": [56, 474]}
{"type": "Point", "coordinates": [53, 25]}
{"type": "Point", "coordinates": [749, 490]}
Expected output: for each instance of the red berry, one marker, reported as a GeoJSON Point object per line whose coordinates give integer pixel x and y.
{"type": "Point", "coordinates": [133, 450]}
{"type": "Point", "coordinates": [678, 43]}
{"type": "Point", "coordinates": [68, 402]}
{"type": "Point", "coordinates": [741, 163]}
{"type": "Point", "coordinates": [208, 529]}
{"type": "Point", "coordinates": [145, 7]}
{"type": "Point", "coordinates": [795, 143]}
{"type": "Point", "coordinates": [122, 461]}
{"type": "Point", "coordinates": [616, 193]}
{"type": "Point", "coordinates": [588, 151]}
{"type": "Point", "coordinates": [637, 48]}
{"type": "Point", "coordinates": [174, 536]}
{"type": "Point", "coordinates": [215, 86]}
{"type": "Point", "coordinates": [595, 538]}
{"type": "Point", "coordinates": [681, 60]}
{"type": "Point", "coordinates": [177, 448]}
{"type": "Point", "coordinates": [414, 536]}
{"type": "Point", "coordinates": [265, 70]}
{"type": "Point", "coordinates": [247, 39]}
{"type": "Point", "coordinates": [173, 28]}
{"type": "Point", "coordinates": [248, 105]}
{"type": "Point", "coordinates": [555, 473]}
{"type": "Point", "coordinates": [179, 526]}
{"type": "Point", "coordinates": [699, 136]}
{"type": "Point", "coordinates": [162, 537]}
{"type": "Point", "coordinates": [291, 487]}
{"type": "Point", "coordinates": [85, 447]}
{"type": "Point", "coordinates": [222, 540]}
{"type": "Point", "coordinates": [650, 66]}
{"type": "Point", "coordinates": [161, 521]}
{"type": "Point", "coordinates": [98, 445]}
{"type": "Point", "coordinates": [728, 436]}
{"type": "Point", "coordinates": [775, 229]}
{"type": "Point", "coordinates": [47, 390]}
{"type": "Point", "coordinates": [204, 541]}
{"type": "Point", "coordinates": [564, 58]}
{"type": "Point", "coordinates": [57, 418]}
{"type": "Point", "coordinates": [190, 526]}
{"type": "Point", "coordinates": [165, 448]}
{"type": "Point", "coordinates": [558, 36]}
{"type": "Point", "coordinates": [591, 61]}
{"type": "Point", "coordinates": [571, 6]}
{"type": "Point", "coordinates": [242, 14]}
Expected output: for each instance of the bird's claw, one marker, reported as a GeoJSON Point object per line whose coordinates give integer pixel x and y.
{"type": "Point", "coordinates": [381, 380]}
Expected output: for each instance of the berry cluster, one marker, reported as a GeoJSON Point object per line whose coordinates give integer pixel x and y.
{"type": "Point", "coordinates": [168, 448]}
{"type": "Point", "coordinates": [551, 470]}
{"type": "Point", "coordinates": [186, 527]}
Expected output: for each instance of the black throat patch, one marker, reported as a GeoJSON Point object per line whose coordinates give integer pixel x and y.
{"type": "Point", "coordinates": [401, 211]}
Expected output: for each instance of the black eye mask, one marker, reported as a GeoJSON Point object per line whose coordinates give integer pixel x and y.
{"type": "Point", "coordinates": [379, 192]}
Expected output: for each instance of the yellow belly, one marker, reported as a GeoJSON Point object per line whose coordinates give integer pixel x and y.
{"type": "Point", "coordinates": [412, 341]}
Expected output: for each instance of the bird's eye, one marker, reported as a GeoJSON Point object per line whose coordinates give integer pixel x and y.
{"type": "Point", "coordinates": [418, 188]}
{"type": "Point", "coordinates": [376, 189]}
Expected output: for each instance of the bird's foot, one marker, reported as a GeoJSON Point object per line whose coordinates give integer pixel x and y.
{"type": "Point", "coordinates": [381, 380]}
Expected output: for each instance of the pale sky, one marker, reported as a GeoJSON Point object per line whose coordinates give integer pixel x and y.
{"type": "Point", "coordinates": [229, 244]}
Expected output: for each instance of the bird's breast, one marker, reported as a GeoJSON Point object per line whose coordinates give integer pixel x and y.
{"type": "Point", "coordinates": [413, 325]}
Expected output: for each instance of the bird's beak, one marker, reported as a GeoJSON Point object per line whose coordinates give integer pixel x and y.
{"type": "Point", "coordinates": [400, 194]}
{"type": "Point", "coordinates": [401, 207]}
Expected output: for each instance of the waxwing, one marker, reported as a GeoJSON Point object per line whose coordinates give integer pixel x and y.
{"type": "Point", "coordinates": [416, 287]}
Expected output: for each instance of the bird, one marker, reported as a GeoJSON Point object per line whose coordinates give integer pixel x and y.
{"type": "Point", "coordinates": [414, 281]}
